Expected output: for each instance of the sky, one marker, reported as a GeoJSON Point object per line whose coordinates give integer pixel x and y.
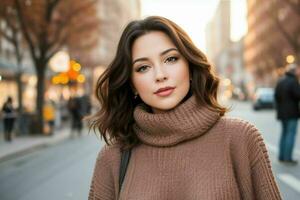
{"type": "Point", "coordinates": [193, 16]}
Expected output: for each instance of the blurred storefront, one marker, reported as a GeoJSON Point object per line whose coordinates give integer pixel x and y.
{"type": "Point", "coordinates": [113, 16]}
{"type": "Point", "coordinates": [8, 84]}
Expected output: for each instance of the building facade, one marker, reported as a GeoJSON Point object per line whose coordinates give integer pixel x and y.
{"type": "Point", "coordinates": [114, 16]}
{"type": "Point", "coordinates": [273, 31]}
{"type": "Point", "coordinates": [9, 69]}
{"type": "Point", "coordinates": [226, 56]}
{"type": "Point", "coordinates": [218, 30]}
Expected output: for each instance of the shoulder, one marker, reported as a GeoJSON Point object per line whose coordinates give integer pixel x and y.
{"type": "Point", "coordinates": [244, 137]}
{"type": "Point", "coordinates": [105, 176]}
{"type": "Point", "coordinates": [108, 155]}
{"type": "Point", "coordinates": [291, 79]}
{"type": "Point", "coordinates": [239, 130]}
{"type": "Point", "coordinates": [236, 125]}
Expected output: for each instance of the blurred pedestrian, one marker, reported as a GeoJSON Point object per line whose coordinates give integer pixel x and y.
{"type": "Point", "coordinates": [49, 117]}
{"type": "Point", "coordinates": [85, 105]}
{"type": "Point", "coordinates": [287, 97]}
{"type": "Point", "coordinates": [75, 109]}
{"type": "Point", "coordinates": [9, 116]}
{"type": "Point", "coordinates": [166, 134]}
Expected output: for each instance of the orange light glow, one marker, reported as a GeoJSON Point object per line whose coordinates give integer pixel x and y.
{"type": "Point", "coordinates": [81, 78]}
{"type": "Point", "coordinates": [76, 67]}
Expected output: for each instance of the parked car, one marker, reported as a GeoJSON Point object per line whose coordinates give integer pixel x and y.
{"type": "Point", "coordinates": [264, 98]}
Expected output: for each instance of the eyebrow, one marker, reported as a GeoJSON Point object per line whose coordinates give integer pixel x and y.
{"type": "Point", "coordinates": [161, 54]}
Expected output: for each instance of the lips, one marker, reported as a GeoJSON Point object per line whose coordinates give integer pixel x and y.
{"type": "Point", "coordinates": [164, 92]}
{"type": "Point", "coordinates": [164, 89]}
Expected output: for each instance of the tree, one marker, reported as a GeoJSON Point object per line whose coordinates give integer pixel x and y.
{"type": "Point", "coordinates": [12, 33]}
{"type": "Point", "coordinates": [47, 26]}
{"type": "Point", "coordinates": [280, 11]}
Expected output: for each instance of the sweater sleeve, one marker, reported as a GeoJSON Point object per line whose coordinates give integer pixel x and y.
{"type": "Point", "coordinates": [102, 185]}
{"type": "Point", "coordinates": [263, 181]}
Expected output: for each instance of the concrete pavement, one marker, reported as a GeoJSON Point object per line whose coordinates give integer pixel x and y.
{"type": "Point", "coordinates": [23, 144]}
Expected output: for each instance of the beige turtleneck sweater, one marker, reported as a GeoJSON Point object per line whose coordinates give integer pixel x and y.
{"type": "Point", "coordinates": [188, 153]}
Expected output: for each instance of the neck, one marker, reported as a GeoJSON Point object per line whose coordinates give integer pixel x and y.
{"type": "Point", "coordinates": [186, 121]}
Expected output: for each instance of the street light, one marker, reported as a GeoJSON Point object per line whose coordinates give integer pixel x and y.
{"type": "Point", "coordinates": [290, 59]}
{"type": "Point", "coordinates": [60, 62]}
{"type": "Point", "coordinates": [28, 2]}
{"type": "Point", "coordinates": [81, 78]}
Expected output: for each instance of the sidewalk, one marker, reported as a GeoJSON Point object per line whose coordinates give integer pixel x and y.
{"type": "Point", "coordinates": [22, 145]}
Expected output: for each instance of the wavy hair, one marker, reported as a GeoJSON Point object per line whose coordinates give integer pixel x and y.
{"type": "Point", "coordinates": [115, 119]}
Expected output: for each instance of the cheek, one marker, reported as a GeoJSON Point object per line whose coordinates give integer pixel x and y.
{"type": "Point", "coordinates": [181, 73]}
{"type": "Point", "coordinates": [141, 83]}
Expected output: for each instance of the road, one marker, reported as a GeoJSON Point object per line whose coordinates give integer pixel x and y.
{"type": "Point", "coordinates": [288, 177]}
{"type": "Point", "coordinates": [60, 172]}
{"type": "Point", "coordinates": [63, 171]}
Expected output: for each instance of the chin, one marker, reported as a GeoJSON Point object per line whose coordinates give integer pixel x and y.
{"type": "Point", "coordinates": [166, 104]}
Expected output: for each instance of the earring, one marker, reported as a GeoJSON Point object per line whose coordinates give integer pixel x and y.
{"type": "Point", "coordinates": [135, 95]}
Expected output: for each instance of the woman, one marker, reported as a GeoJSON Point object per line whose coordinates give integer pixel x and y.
{"type": "Point", "coordinates": [159, 99]}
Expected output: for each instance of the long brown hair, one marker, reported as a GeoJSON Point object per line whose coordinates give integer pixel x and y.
{"type": "Point", "coordinates": [115, 118]}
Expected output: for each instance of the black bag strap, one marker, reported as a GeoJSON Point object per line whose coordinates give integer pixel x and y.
{"type": "Point", "coordinates": [125, 157]}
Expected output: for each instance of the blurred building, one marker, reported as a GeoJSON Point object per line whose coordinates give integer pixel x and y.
{"type": "Point", "coordinates": [218, 30]}
{"type": "Point", "coordinates": [230, 66]}
{"type": "Point", "coordinates": [273, 30]}
{"type": "Point", "coordinates": [226, 56]}
{"type": "Point", "coordinates": [114, 16]}
{"type": "Point", "coordinates": [9, 69]}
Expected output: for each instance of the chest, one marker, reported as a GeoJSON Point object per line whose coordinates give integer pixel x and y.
{"type": "Point", "coordinates": [189, 173]}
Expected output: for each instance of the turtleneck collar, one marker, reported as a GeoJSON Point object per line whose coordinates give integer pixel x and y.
{"type": "Point", "coordinates": [187, 121]}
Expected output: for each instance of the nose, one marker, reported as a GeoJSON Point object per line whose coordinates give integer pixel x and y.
{"type": "Point", "coordinates": [160, 75]}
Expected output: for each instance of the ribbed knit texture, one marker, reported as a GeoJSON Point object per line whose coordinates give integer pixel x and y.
{"type": "Point", "coordinates": [188, 153]}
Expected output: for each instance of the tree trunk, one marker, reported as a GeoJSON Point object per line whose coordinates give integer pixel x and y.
{"type": "Point", "coordinates": [19, 83]}
{"type": "Point", "coordinates": [40, 96]}
{"type": "Point", "coordinates": [19, 80]}
{"type": "Point", "coordinates": [20, 91]}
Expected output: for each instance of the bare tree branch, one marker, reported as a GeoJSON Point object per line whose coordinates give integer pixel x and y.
{"type": "Point", "coordinates": [47, 26]}
{"type": "Point", "coordinates": [24, 29]}
{"type": "Point", "coordinates": [288, 37]}
{"type": "Point", "coordinates": [294, 6]}
{"type": "Point", "coordinates": [58, 45]}
{"type": "Point", "coordinates": [273, 12]}
{"type": "Point", "coordinates": [68, 18]}
{"type": "Point", "coordinates": [50, 8]}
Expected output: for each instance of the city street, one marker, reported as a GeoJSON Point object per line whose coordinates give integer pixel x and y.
{"type": "Point", "coordinates": [55, 55]}
{"type": "Point", "coordinates": [63, 171]}
{"type": "Point", "coordinates": [58, 172]}
{"type": "Point", "coordinates": [288, 177]}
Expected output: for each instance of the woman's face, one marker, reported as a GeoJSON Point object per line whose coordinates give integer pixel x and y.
{"type": "Point", "coordinates": [160, 74]}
